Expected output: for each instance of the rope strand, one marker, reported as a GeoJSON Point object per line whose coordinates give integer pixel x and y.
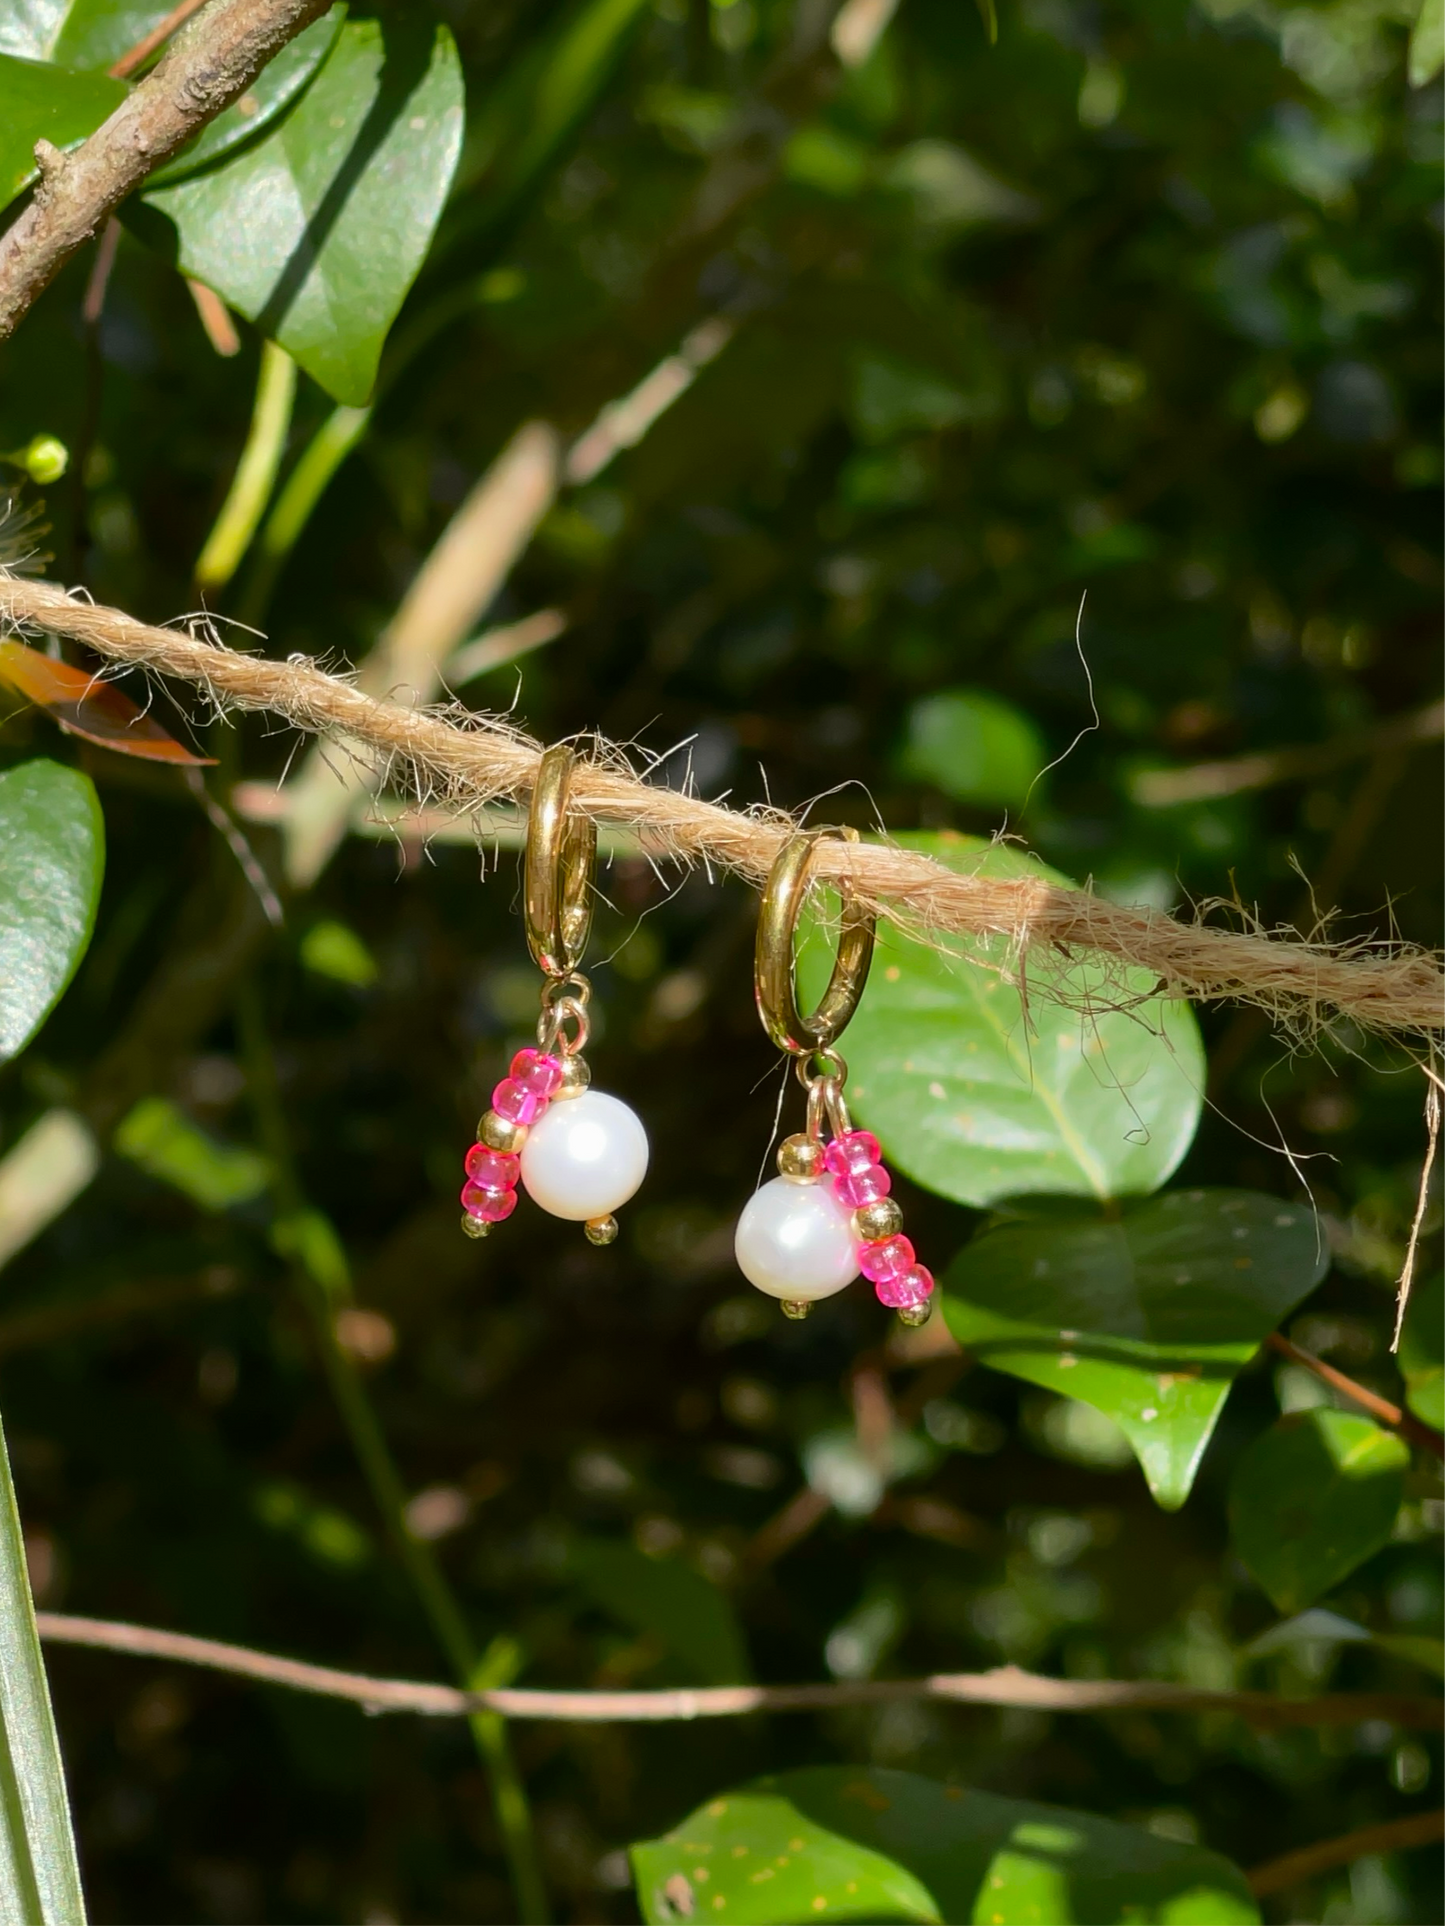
{"type": "Point", "coordinates": [466, 761]}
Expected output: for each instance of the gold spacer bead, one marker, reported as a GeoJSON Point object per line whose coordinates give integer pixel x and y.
{"type": "Point", "coordinates": [800, 1158]}
{"type": "Point", "coordinates": [916, 1314]}
{"type": "Point", "coordinates": [600, 1230]}
{"type": "Point", "coordinates": [575, 1079]}
{"type": "Point", "coordinates": [498, 1134]}
{"type": "Point", "coordinates": [876, 1221]}
{"type": "Point", "coordinates": [475, 1226]}
{"type": "Point", "coordinates": [795, 1307]}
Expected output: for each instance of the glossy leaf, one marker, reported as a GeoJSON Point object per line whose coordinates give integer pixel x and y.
{"type": "Point", "coordinates": [836, 1842]}
{"type": "Point", "coordinates": [1148, 1313]}
{"type": "Point", "coordinates": [973, 747]}
{"type": "Point", "coordinates": [52, 858]}
{"type": "Point", "coordinates": [95, 33]}
{"type": "Point", "coordinates": [1427, 43]}
{"type": "Point", "coordinates": [39, 1878]}
{"type": "Point", "coordinates": [978, 1102]}
{"type": "Point", "coordinates": [86, 705]}
{"type": "Point", "coordinates": [279, 83]}
{"type": "Point", "coordinates": [316, 231]}
{"type": "Point", "coordinates": [1312, 1499]}
{"type": "Point", "coordinates": [1422, 1351]}
{"type": "Point", "coordinates": [668, 1601]}
{"type": "Point", "coordinates": [42, 102]}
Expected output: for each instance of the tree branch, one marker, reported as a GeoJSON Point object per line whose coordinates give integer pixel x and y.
{"type": "Point", "coordinates": [210, 63]}
{"type": "Point", "coordinates": [1396, 1835]}
{"type": "Point", "coordinates": [1006, 1685]}
{"type": "Point", "coordinates": [1398, 1419]}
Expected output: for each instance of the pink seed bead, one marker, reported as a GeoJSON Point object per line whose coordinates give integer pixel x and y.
{"type": "Point", "coordinates": [517, 1105]}
{"type": "Point", "coordinates": [534, 1070]}
{"type": "Point", "coordinates": [851, 1153]}
{"type": "Point", "coordinates": [881, 1263]}
{"type": "Point", "coordinates": [493, 1169]}
{"type": "Point", "coordinates": [905, 1293]}
{"type": "Point", "coordinates": [862, 1187]}
{"type": "Point", "coordinates": [490, 1205]}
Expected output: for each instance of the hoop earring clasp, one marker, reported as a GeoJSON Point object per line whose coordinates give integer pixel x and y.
{"type": "Point", "coordinates": [557, 868]}
{"type": "Point", "coordinates": [774, 973]}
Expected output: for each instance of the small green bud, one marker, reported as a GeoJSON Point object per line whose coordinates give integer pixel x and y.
{"type": "Point", "coordinates": [45, 459]}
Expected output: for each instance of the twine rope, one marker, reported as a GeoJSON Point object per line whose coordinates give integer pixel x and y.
{"type": "Point", "coordinates": [466, 761]}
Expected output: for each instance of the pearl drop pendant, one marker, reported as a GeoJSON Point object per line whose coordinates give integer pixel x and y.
{"type": "Point", "coordinates": [795, 1240]}
{"type": "Point", "coordinates": [584, 1157]}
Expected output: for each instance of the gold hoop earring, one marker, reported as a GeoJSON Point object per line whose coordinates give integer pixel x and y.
{"type": "Point", "coordinates": [577, 1152]}
{"type": "Point", "coordinates": [828, 1214]}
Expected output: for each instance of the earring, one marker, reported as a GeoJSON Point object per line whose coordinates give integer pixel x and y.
{"type": "Point", "coordinates": [827, 1215]}
{"type": "Point", "coordinates": [578, 1153]}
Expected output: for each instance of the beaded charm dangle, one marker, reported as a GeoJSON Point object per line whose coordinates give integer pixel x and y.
{"type": "Point", "coordinates": [827, 1215]}
{"type": "Point", "coordinates": [578, 1153]}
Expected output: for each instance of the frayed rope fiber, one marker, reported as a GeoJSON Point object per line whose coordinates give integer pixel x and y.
{"type": "Point", "coordinates": [466, 761]}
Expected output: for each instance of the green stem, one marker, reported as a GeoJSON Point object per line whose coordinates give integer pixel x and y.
{"type": "Point", "coordinates": [305, 485]}
{"type": "Point", "coordinates": [255, 475]}
{"type": "Point", "coordinates": [472, 1670]}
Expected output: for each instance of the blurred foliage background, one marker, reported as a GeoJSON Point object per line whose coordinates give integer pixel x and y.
{"type": "Point", "coordinates": [1136, 310]}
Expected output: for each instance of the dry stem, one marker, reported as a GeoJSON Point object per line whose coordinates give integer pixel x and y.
{"type": "Point", "coordinates": [468, 760]}
{"type": "Point", "coordinates": [1005, 1685]}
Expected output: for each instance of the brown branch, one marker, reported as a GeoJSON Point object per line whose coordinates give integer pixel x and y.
{"type": "Point", "coordinates": [210, 63]}
{"type": "Point", "coordinates": [1204, 781]}
{"type": "Point", "coordinates": [160, 33]}
{"type": "Point", "coordinates": [1396, 1835]}
{"type": "Point", "coordinates": [1394, 1415]}
{"type": "Point", "coordinates": [471, 760]}
{"type": "Point", "coordinates": [1006, 1685]}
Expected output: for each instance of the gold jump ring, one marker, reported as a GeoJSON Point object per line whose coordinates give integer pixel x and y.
{"type": "Point", "coordinates": [557, 869]}
{"type": "Point", "coordinates": [774, 973]}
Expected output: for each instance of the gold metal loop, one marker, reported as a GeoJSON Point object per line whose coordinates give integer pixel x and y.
{"type": "Point", "coordinates": [557, 868]}
{"type": "Point", "coordinates": [825, 1092]}
{"type": "Point", "coordinates": [774, 974]}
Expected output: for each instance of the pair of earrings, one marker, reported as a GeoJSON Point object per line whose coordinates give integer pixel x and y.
{"type": "Point", "coordinates": [581, 1154]}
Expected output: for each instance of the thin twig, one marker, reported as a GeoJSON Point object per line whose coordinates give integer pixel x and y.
{"type": "Point", "coordinates": [159, 34]}
{"type": "Point", "coordinates": [1205, 781]}
{"type": "Point", "coordinates": [1398, 1419]}
{"type": "Point", "coordinates": [1412, 1248]}
{"type": "Point", "coordinates": [211, 62]}
{"type": "Point", "coordinates": [470, 759]}
{"type": "Point", "coordinates": [1396, 1835]}
{"type": "Point", "coordinates": [1006, 1685]}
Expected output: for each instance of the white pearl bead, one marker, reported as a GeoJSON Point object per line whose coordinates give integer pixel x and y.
{"type": "Point", "coordinates": [796, 1241]}
{"type": "Point", "coordinates": [585, 1156]}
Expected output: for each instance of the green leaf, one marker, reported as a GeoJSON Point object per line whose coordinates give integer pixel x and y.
{"type": "Point", "coordinates": [834, 1842]}
{"type": "Point", "coordinates": [973, 747]}
{"type": "Point", "coordinates": [668, 1601]}
{"type": "Point", "coordinates": [892, 397]}
{"type": "Point", "coordinates": [331, 949]}
{"type": "Point", "coordinates": [1148, 1314]}
{"type": "Point", "coordinates": [41, 102]}
{"type": "Point", "coordinates": [52, 858]}
{"type": "Point", "coordinates": [39, 1878]}
{"type": "Point", "coordinates": [95, 33]}
{"type": "Point", "coordinates": [1312, 1499]}
{"type": "Point", "coordinates": [543, 96]}
{"type": "Point", "coordinates": [166, 1144]}
{"type": "Point", "coordinates": [1427, 43]}
{"type": "Point", "coordinates": [978, 1102]}
{"type": "Point", "coordinates": [1422, 1351]}
{"type": "Point", "coordinates": [274, 88]}
{"type": "Point", "coordinates": [316, 231]}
